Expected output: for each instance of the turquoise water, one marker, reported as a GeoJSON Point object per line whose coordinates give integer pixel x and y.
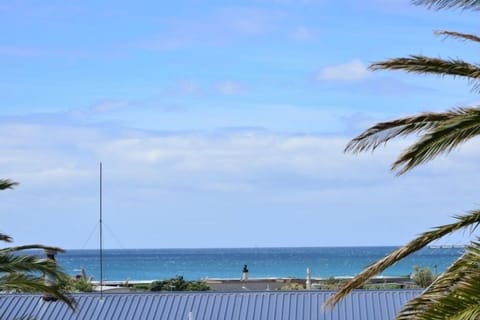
{"type": "Point", "coordinates": [193, 264]}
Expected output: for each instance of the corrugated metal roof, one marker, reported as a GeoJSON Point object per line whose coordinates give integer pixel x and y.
{"type": "Point", "coordinates": [252, 305]}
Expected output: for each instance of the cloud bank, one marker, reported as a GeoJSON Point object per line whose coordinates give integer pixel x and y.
{"type": "Point", "coordinates": [349, 71]}
{"type": "Point", "coordinates": [223, 180]}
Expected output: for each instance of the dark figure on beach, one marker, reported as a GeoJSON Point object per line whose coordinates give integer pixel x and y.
{"type": "Point", "coordinates": [245, 273]}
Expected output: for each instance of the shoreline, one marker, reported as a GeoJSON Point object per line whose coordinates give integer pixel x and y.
{"type": "Point", "coordinates": [390, 246]}
{"type": "Point", "coordinates": [213, 280]}
{"type": "Point", "coordinates": [259, 284]}
{"type": "Point", "coordinates": [194, 265]}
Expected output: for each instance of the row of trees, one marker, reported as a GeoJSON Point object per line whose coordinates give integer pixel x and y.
{"type": "Point", "coordinates": [455, 294]}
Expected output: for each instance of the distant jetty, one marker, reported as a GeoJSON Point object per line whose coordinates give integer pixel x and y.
{"type": "Point", "coordinates": [448, 246]}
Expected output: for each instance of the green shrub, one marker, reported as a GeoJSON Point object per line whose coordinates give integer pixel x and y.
{"type": "Point", "coordinates": [80, 284]}
{"type": "Point", "coordinates": [330, 284]}
{"type": "Point", "coordinates": [423, 277]}
{"type": "Point", "coordinates": [292, 286]}
{"type": "Point", "coordinates": [141, 287]}
{"type": "Point", "coordinates": [178, 284]}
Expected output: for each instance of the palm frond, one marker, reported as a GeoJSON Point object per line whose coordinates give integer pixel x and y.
{"type": "Point", "coordinates": [28, 283]}
{"type": "Point", "coordinates": [382, 132]}
{"type": "Point", "coordinates": [442, 138]}
{"type": "Point", "coordinates": [453, 295]}
{"type": "Point", "coordinates": [422, 64]}
{"type": "Point", "coordinates": [6, 238]}
{"type": "Point", "coordinates": [448, 4]}
{"type": "Point", "coordinates": [440, 133]}
{"type": "Point", "coordinates": [472, 218]}
{"type": "Point", "coordinates": [19, 274]}
{"type": "Point", "coordinates": [31, 247]}
{"type": "Point", "coordinates": [470, 313]}
{"type": "Point", "coordinates": [27, 263]}
{"type": "Point", "coordinates": [458, 35]}
{"type": "Point", "coordinates": [7, 184]}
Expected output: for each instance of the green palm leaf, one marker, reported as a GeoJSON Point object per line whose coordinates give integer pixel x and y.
{"type": "Point", "coordinates": [382, 132]}
{"type": "Point", "coordinates": [439, 133]}
{"type": "Point", "coordinates": [458, 35]}
{"type": "Point", "coordinates": [20, 282]}
{"type": "Point", "coordinates": [19, 275]}
{"type": "Point", "coordinates": [7, 184]}
{"type": "Point", "coordinates": [26, 263]}
{"type": "Point", "coordinates": [456, 293]}
{"type": "Point", "coordinates": [19, 272]}
{"type": "Point", "coordinates": [453, 295]}
{"type": "Point", "coordinates": [447, 4]}
{"type": "Point", "coordinates": [4, 237]}
{"type": "Point", "coordinates": [471, 219]}
{"type": "Point", "coordinates": [442, 138]}
{"type": "Point", "coordinates": [422, 64]}
{"type": "Point", "coordinates": [31, 247]}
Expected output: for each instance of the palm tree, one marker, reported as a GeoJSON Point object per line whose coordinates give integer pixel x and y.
{"type": "Point", "coordinates": [456, 292]}
{"type": "Point", "coordinates": [20, 272]}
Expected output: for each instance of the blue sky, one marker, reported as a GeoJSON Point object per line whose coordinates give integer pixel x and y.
{"type": "Point", "coordinates": [222, 124]}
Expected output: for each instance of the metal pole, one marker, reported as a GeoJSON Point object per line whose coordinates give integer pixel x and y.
{"type": "Point", "coordinates": [308, 282]}
{"type": "Point", "coordinates": [101, 237]}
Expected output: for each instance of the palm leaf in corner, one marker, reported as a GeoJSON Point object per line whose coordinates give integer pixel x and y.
{"type": "Point", "coordinates": [19, 272]}
{"type": "Point", "coordinates": [456, 293]}
{"type": "Point", "coordinates": [446, 4]}
{"type": "Point", "coordinates": [423, 64]}
{"type": "Point", "coordinates": [458, 35]}
{"type": "Point", "coordinates": [469, 220]}
{"type": "Point", "coordinates": [7, 184]}
{"type": "Point", "coordinates": [23, 272]}
{"type": "Point", "coordinates": [439, 133]}
{"type": "Point", "coordinates": [453, 295]}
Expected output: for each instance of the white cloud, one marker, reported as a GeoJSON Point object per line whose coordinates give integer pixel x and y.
{"type": "Point", "coordinates": [303, 33]}
{"type": "Point", "coordinates": [236, 23]}
{"type": "Point", "coordinates": [39, 51]}
{"type": "Point", "coordinates": [228, 87]}
{"type": "Point", "coordinates": [183, 87]}
{"type": "Point", "coordinates": [249, 21]}
{"type": "Point", "coordinates": [349, 71]}
{"type": "Point", "coordinates": [172, 178]}
{"type": "Point", "coordinates": [110, 105]}
{"type": "Point", "coordinates": [177, 160]}
{"type": "Point", "coordinates": [189, 87]}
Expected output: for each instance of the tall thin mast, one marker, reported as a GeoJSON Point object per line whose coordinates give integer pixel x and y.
{"type": "Point", "coordinates": [101, 237]}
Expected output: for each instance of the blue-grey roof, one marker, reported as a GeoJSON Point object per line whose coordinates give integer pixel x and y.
{"type": "Point", "coordinates": [261, 305]}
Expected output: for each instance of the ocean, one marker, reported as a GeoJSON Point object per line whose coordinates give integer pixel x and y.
{"type": "Point", "coordinates": [195, 264]}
